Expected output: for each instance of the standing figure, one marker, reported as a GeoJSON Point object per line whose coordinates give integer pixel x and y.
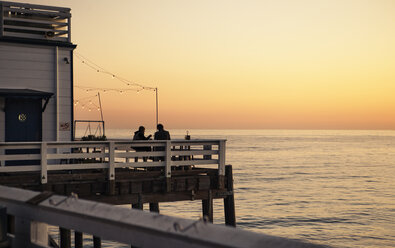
{"type": "Point", "coordinates": [139, 135]}
{"type": "Point", "coordinates": [161, 134]}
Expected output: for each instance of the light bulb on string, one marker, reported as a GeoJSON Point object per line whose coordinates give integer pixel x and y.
{"type": "Point", "coordinates": [89, 110]}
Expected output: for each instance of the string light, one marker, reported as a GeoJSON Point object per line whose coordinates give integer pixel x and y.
{"type": "Point", "coordinates": [100, 69]}
{"type": "Point", "coordinates": [119, 90]}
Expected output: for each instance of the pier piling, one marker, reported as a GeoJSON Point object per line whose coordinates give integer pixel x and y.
{"type": "Point", "coordinates": [96, 242]}
{"type": "Point", "coordinates": [78, 239]}
{"type": "Point", "coordinates": [154, 207]}
{"type": "Point", "coordinates": [65, 237]}
{"type": "Point", "coordinates": [207, 207]}
{"type": "Point", "coordinates": [229, 201]}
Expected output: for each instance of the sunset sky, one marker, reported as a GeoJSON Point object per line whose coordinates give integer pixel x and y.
{"type": "Point", "coordinates": [306, 64]}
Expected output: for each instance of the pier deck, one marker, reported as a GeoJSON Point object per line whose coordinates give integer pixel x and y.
{"type": "Point", "coordinates": [115, 172]}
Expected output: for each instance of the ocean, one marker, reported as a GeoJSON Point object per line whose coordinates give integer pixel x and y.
{"type": "Point", "coordinates": [329, 187]}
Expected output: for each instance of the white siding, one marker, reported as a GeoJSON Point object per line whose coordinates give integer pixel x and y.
{"type": "Point", "coordinates": [34, 67]}
{"type": "Point", "coordinates": [2, 119]}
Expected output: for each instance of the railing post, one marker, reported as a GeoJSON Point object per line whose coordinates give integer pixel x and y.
{"type": "Point", "coordinates": [221, 162]}
{"type": "Point", "coordinates": [168, 165]}
{"type": "Point", "coordinates": [44, 176]}
{"type": "Point", "coordinates": [111, 167]}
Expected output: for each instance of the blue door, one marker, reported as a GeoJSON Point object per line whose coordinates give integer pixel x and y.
{"type": "Point", "coordinates": [23, 122]}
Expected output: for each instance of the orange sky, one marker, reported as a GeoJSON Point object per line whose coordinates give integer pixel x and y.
{"type": "Point", "coordinates": [303, 64]}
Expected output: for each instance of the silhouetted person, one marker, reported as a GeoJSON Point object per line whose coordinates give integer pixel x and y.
{"type": "Point", "coordinates": [161, 134]}
{"type": "Point", "coordinates": [139, 135]}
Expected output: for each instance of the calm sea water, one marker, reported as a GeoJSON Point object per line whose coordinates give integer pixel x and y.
{"type": "Point", "coordinates": [327, 187]}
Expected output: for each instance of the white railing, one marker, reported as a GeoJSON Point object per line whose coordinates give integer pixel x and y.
{"type": "Point", "coordinates": [109, 155]}
{"type": "Point", "coordinates": [35, 21]}
{"type": "Point", "coordinates": [33, 210]}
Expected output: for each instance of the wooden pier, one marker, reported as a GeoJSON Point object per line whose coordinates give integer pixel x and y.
{"type": "Point", "coordinates": [114, 172]}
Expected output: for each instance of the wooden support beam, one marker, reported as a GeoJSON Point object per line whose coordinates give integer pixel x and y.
{"type": "Point", "coordinates": [229, 201]}
{"type": "Point", "coordinates": [78, 239]}
{"type": "Point", "coordinates": [207, 207]}
{"type": "Point", "coordinates": [65, 237]}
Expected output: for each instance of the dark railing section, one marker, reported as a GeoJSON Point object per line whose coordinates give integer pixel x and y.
{"type": "Point", "coordinates": [35, 21]}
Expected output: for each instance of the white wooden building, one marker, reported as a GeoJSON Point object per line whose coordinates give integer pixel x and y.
{"type": "Point", "coordinates": [36, 73]}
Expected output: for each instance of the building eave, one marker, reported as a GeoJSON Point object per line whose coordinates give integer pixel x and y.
{"type": "Point", "coordinates": [37, 42]}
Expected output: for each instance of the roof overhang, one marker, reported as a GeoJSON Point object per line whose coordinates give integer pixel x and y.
{"type": "Point", "coordinates": [26, 93]}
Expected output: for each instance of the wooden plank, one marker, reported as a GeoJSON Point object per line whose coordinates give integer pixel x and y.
{"type": "Point", "coordinates": [76, 155]}
{"type": "Point", "coordinates": [194, 162]}
{"type": "Point", "coordinates": [24, 168]}
{"type": "Point", "coordinates": [157, 197]}
{"type": "Point", "coordinates": [35, 6]}
{"type": "Point", "coordinates": [77, 145]}
{"type": "Point", "coordinates": [138, 154]}
{"type": "Point", "coordinates": [20, 146]}
{"type": "Point", "coordinates": [193, 152]}
{"type": "Point", "coordinates": [76, 166]}
{"type": "Point", "coordinates": [38, 12]}
{"type": "Point", "coordinates": [14, 27]}
{"type": "Point", "coordinates": [139, 164]}
{"type": "Point", "coordinates": [33, 36]}
{"type": "Point", "coordinates": [10, 157]}
{"type": "Point", "coordinates": [38, 21]}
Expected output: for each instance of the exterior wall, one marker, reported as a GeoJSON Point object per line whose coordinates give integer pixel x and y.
{"type": "Point", "coordinates": [65, 97]}
{"type": "Point", "coordinates": [2, 119]}
{"type": "Point", "coordinates": [42, 68]}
